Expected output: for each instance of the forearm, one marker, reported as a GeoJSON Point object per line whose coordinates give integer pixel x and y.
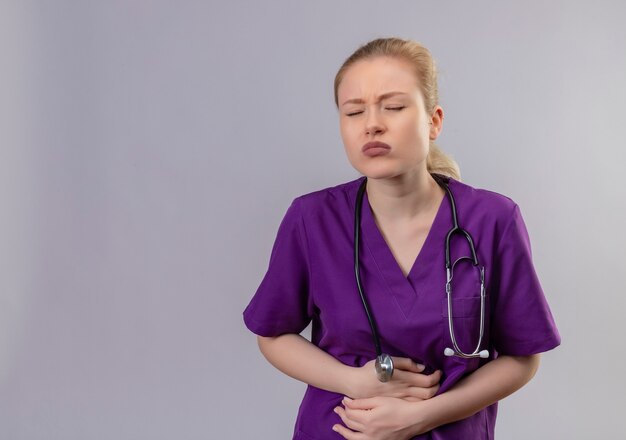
{"type": "Point", "coordinates": [490, 383]}
{"type": "Point", "coordinates": [297, 357]}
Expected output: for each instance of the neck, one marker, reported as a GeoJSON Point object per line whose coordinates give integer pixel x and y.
{"type": "Point", "coordinates": [404, 197]}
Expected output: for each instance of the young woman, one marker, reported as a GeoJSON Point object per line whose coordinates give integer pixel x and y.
{"type": "Point", "coordinates": [410, 340]}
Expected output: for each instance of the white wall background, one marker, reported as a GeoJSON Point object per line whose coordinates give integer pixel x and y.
{"type": "Point", "coordinates": [148, 150]}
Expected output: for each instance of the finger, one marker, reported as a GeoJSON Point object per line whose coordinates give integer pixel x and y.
{"type": "Point", "coordinates": [409, 378]}
{"type": "Point", "coordinates": [425, 380]}
{"type": "Point", "coordinates": [403, 363]}
{"type": "Point", "coordinates": [436, 377]}
{"type": "Point", "coordinates": [360, 416]}
{"type": "Point", "coordinates": [346, 433]}
{"type": "Point", "coordinates": [348, 420]}
{"type": "Point", "coordinates": [367, 403]}
{"type": "Point", "coordinates": [424, 393]}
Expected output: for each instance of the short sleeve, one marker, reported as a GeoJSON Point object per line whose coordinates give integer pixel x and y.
{"type": "Point", "coordinates": [521, 320]}
{"type": "Point", "coordinates": [282, 302]}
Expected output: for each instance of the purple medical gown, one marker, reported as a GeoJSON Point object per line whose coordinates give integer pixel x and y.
{"type": "Point", "coordinates": [311, 277]}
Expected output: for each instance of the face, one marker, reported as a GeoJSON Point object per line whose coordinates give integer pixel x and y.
{"type": "Point", "coordinates": [372, 113]}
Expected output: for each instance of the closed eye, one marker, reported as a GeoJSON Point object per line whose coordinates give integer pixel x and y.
{"type": "Point", "coordinates": [388, 108]}
{"type": "Point", "coordinates": [353, 114]}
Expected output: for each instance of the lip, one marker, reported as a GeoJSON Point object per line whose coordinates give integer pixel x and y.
{"type": "Point", "coordinates": [375, 144]}
{"type": "Point", "coordinates": [373, 149]}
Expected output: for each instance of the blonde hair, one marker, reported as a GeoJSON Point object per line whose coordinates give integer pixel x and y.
{"type": "Point", "coordinates": [426, 71]}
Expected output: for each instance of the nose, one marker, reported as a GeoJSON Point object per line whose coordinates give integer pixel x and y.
{"type": "Point", "coordinates": [373, 124]}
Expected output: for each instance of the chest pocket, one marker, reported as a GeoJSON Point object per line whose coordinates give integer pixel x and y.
{"type": "Point", "coordinates": [466, 320]}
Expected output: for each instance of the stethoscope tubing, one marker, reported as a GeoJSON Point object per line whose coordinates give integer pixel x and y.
{"type": "Point", "coordinates": [357, 218]}
{"type": "Point", "coordinates": [384, 363]}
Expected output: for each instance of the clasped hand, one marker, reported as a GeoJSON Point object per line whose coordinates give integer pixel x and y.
{"type": "Point", "coordinates": [386, 410]}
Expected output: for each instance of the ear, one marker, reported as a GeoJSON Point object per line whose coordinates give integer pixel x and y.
{"type": "Point", "coordinates": [436, 123]}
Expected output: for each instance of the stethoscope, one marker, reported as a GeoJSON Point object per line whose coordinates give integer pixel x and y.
{"type": "Point", "coordinates": [384, 363]}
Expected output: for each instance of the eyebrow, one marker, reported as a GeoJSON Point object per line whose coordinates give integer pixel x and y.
{"type": "Point", "coordinates": [380, 98]}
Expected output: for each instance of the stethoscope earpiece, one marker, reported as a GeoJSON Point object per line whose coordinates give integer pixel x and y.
{"type": "Point", "coordinates": [484, 354]}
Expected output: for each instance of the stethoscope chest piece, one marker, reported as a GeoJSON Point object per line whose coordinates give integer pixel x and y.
{"type": "Point", "coordinates": [384, 367]}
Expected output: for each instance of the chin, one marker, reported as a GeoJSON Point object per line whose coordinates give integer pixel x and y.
{"type": "Point", "coordinates": [378, 170]}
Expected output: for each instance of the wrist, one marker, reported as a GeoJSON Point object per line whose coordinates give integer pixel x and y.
{"type": "Point", "coordinates": [424, 416]}
{"type": "Point", "coordinates": [361, 382]}
{"type": "Point", "coordinates": [350, 382]}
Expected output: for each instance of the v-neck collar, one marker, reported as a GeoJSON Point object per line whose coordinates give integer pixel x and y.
{"type": "Point", "coordinates": [406, 290]}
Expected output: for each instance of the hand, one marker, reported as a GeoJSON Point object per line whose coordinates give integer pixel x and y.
{"type": "Point", "coordinates": [407, 381]}
{"type": "Point", "coordinates": [380, 418]}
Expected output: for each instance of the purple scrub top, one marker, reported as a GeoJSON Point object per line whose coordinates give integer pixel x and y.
{"type": "Point", "coordinates": [311, 277]}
